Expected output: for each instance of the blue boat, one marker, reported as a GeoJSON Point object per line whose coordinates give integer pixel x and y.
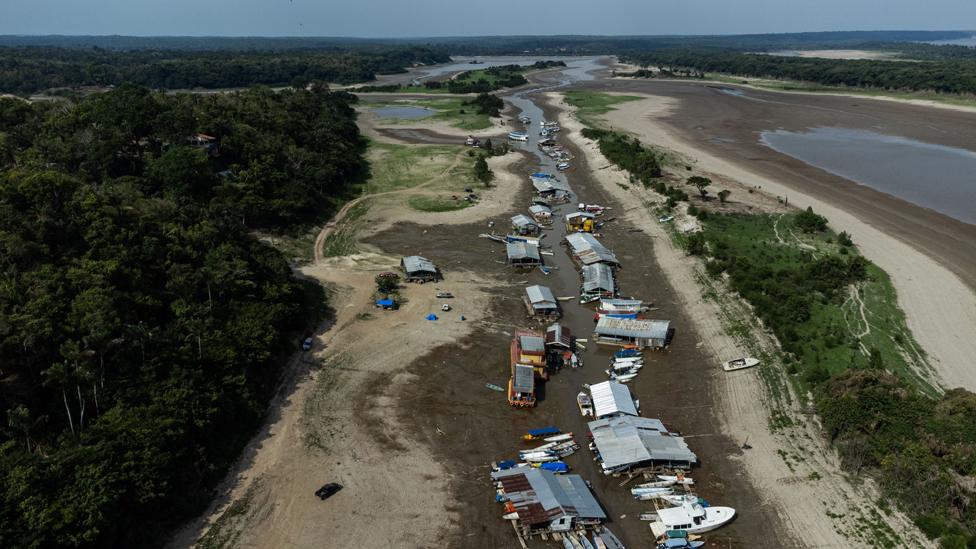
{"type": "Point", "coordinates": [541, 433]}
{"type": "Point", "coordinates": [627, 353]}
{"type": "Point", "coordinates": [506, 464]}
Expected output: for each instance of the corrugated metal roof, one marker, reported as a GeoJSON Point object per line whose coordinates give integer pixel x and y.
{"type": "Point", "coordinates": [611, 398]}
{"type": "Point", "coordinates": [574, 215]}
{"type": "Point", "coordinates": [415, 263]}
{"type": "Point", "coordinates": [598, 276]}
{"type": "Point", "coordinates": [616, 304]}
{"type": "Point", "coordinates": [538, 209]}
{"type": "Point", "coordinates": [629, 327]}
{"type": "Point", "coordinates": [627, 441]}
{"type": "Point", "coordinates": [520, 249]}
{"type": "Point", "coordinates": [532, 343]}
{"type": "Point", "coordinates": [589, 250]}
{"type": "Point", "coordinates": [524, 381]}
{"type": "Point", "coordinates": [522, 220]}
{"type": "Point", "coordinates": [541, 496]}
{"type": "Point", "coordinates": [540, 296]}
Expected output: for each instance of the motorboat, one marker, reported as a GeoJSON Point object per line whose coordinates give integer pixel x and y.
{"type": "Point", "coordinates": [740, 364]}
{"type": "Point", "coordinates": [559, 438]}
{"type": "Point", "coordinates": [625, 378]}
{"type": "Point", "coordinates": [680, 499]}
{"type": "Point", "coordinates": [518, 136]}
{"type": "Point", "coordinates": [679, 478]}
{"type": "Point", "coordinates": [680, 543]}
{"type": "Point", "coordinates": [585, 404]}
{"type": "Point", "coordinates": [693, 518]}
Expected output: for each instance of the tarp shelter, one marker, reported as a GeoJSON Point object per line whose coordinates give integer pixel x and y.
{"type": "Point", "coordinates": [612, 399]}
{"type": "Point", "coordinates": [626, 442]}
{"type": "Point", "coordinates": [544, 500]}
{"type": "Point", "coordinates": [627, 331]}
{"type": "Point", "coordinates": [523, 253]}
{"type": "Point", "coordinates": [588, 250]}
{"type": "Point", "coordinates": [386, 303]}
{"type": "Point", "coordinates": [523, 224]}
{"type": "Point", "coordinates": [419, 269]}
{"type": "Point", "coordinates": [431, 316]}
{"type": "Point", "coordinates": [541, 302]}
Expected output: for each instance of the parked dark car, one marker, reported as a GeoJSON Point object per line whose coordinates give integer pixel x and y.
{"type": "Point", "coordinates": [328, 490]}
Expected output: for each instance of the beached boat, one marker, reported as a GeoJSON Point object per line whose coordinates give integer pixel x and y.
{"type": "Point", "coordinates": [518, 136]}
{"type": "Point", "coordinates": [610, 539]}
{"type": "Point", "coordinates": [627, 353]}
{"type": "Point", "coordinates": [693, 518]}
{"type": "Point", "coordinates": [556, 467]}
{"type": "Point", "coordinates": [680, 543]}
{"type": "Point", "coordinates": [559, 438]}
{"type": "Point", "coordinates": [536, 434]}
{"type": "Point", "coordinates": [585, 404]}
{"type": "Point", "coordinates": [624, 378]}
{"type": "Point", "coordinates": [680, 478]}
{"type": "Point", "coordinates": [567, 544]}
{"type": "Point", "coordinates": [585, 542]}
{"type": "Point", "coordinates": [680, 499]}
{"type": "Point", "coordinates": [562, 166]}
{"type": "Point", "coordinates": [654, 484]}
{"type": "Point", "coordinates": [740, 364]}
{"type": "Point", "coordinates": [540, 458]}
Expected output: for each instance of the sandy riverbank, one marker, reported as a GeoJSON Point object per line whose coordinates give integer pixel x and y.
{"type": "Point", "coordinates": [802, 491]}
{"type": "Point", "coordinates": [940, 308]}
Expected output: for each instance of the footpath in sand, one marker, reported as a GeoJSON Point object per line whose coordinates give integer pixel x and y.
{"type": "Point", "coordinates": [940, 309]}
{"type": "Point", "coordinates": [337, 416]}
{"type": "Point", "coordinates": [790, 464]}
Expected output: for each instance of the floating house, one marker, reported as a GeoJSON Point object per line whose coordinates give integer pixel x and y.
{"type": "Point", "coordinates": [612, 399]}
{"type": "Point", "coordinates": [626, 442]}
{"type": "Point", "coordinates": [522, 253]}
{"type": "Point", "coordinates": [580, 221]}
{"type": "Point", "coordinates": [598, 282]}
{"type": "Point", "coordinates": [529, 348]}
{"type": "Point", "coordinates": [587, 250]}
{"type": "Point", "coordinates": [550, 188]}
{"type": "Point", "coordinates": [546, 502]}
{"type": "Point", "coordinates": [559, 338]}
{"type": "Point", "coordinates": [523, 224]}
{"type": "Point", "coordinates": [521, 386]}
{"type": "Point", "coordinates": [642, 334]}
{"type": "Point", "coordinates": [540, 302]}
{"type": "Point", "coordinates": [419, 269]}
{"type": "Point", "coordinates": [542, 214]}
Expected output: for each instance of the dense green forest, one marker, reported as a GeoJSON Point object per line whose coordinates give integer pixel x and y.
{"type": "Point", "coordinates": [142, 326]}
{"type": "Point", "coordinates": [29, 70]}
{"type": "Point", "coordinates": [945, 76]}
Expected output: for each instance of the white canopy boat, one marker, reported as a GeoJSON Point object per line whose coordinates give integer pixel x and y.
{"type": "Point", "coordinates": [540, 458]}
{"type": "Point", "coordinates": [692, 518]}
{"type": "Point", "coordinates": [680, 478]}
{"type": "Point", "coordinates": [585, 404]}
{"type": "Point", "coordinates": [679, 499]}
{"type": "Point", "coordinates": [624, 378]}
{"type": "Point", "coordinates": [740, 364]}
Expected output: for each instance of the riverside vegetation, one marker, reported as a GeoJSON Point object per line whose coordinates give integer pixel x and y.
{"type": "Point", "coordinates": [142, 324]}
{"type": "Point", "coordinates": [845, 340]}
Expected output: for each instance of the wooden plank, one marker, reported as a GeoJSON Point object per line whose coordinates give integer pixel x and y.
{"type": "Point", "coordinates": [518, 534]}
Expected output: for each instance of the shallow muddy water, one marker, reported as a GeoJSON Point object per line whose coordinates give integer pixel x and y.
{"type": "Point", "coordinates": [933, 176]}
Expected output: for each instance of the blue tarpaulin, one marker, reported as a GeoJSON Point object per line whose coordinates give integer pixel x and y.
{"type": "Point", "coordinates": [555, 467]}
{"type": "Point", "coordinates": [385, 303]}
{"type": "Point", "coordinates": [544, 432]}
{"type": "Point", "coordinates": [506, 464]}
{"type": "Point", "coordinates": [431, 316]}
{"type": "Point", "coordinates": [624, 353]}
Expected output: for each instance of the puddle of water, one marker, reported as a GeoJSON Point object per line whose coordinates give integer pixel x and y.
{"type": "Point", "coordinates": [933, 176]}
{"type": "Point", "coordinates": [403, 113]}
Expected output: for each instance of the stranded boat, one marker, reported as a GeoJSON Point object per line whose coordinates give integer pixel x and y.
{"type": "Point", "coordinates": [518, 136]}
{"type": "Point", "coordinates": [740, 364]}
{"type": "Point", "coordinates": [692, 518]}
{"type": "Point", "coordinates": [585, 404]}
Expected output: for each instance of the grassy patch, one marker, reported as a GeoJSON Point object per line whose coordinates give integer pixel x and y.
{"type": "Point", "coordinates": [342, 241]}
{"type": "Point", "coordinates": [449, 109]}
{"type": "Point", "coordinates": [830, 328]}
{"type": "Point", "coordinates": [297, 248]}
{"type": "Point", "coordinates": [393, 167]}
{"type": "Point", "coordinates": [590, 105]}
{"type": "Point", "coordinates": [436, 204]}
{"type": "Point", "coordinates": [226, 531]}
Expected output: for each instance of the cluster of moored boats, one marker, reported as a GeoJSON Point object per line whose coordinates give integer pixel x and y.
{"type": "Point", "coordinates": [625, 365]}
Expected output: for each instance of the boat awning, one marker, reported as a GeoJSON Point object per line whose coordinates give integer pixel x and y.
{"type": "Point", "coordinates": [611, 398]}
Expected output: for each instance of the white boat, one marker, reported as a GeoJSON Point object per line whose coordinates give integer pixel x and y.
{"type": "Point", "coordinates": [585, 403]}
{"type": "Point", "coordinates": [624, 378]}
{"type": "Point", "coordinates": [540, 458]}
{"type": "Point", "coordinates": [692, 518]}
{"type": "Point", "coordinates": [585, 542]}
{"type": "Point", "coordinates": [559, 438]}
{"type": "Point", "coordinates": [566, 543]}
{"type": "Point", "coordinates": [573, 540]}
{"type": "Point", "coordinates": [651, 490]}
{"type": "Point", "coordinates": [679, 499]}
{"type": "Point", "coordinates": [680, 478]}
{"type": "Point", "coordinates": [518, 136]}
{"type": "Point", "coordinates": [562, 166]}
{"type": "Point", "coordinates": [740, 364]}
{"type": "Point", "coordinates": [656, 484]}
{"type": "Point", "coordinates": [628, 360]}
{"type": "Point", "coordinates": [648, 497]}
{"type": "Point", "coordinates": [611, 540]}
{"type": "Point", "coordinates": [627, 365]}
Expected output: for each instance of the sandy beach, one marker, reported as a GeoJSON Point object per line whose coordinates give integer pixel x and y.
{"type": "Point", "coordinates": [939, 304]}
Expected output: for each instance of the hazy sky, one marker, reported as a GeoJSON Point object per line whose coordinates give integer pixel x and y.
{"type": "Point", "coordinates": [399, 18]}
